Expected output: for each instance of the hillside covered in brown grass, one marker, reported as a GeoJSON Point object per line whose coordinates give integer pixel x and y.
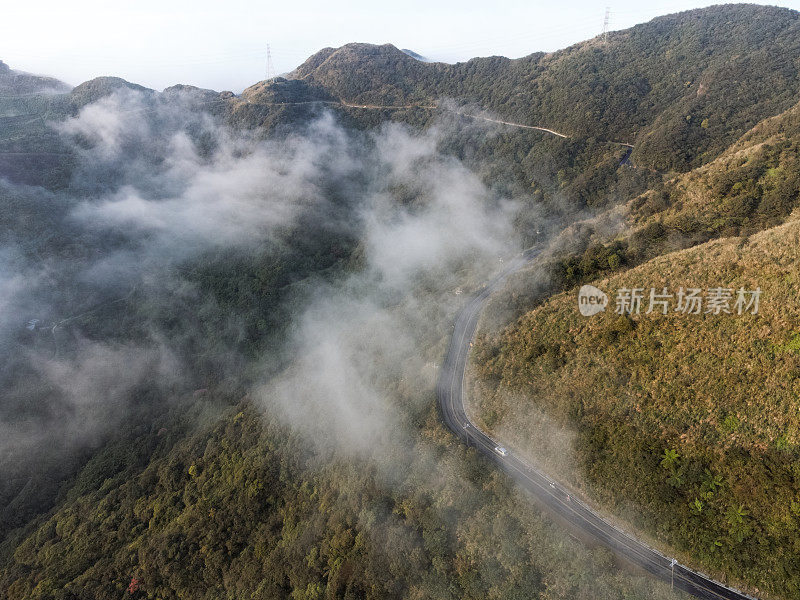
{"type": "Point", "coordinates": [688, 425]}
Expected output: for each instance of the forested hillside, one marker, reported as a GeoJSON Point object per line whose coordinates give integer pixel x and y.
{"type": "Point", "coordinates": [699, 461]}
{"type": "Point", "coordinates": [683, 87]}
{"type": "Point", "coordinates": [224, 315]}
{"type": "Point", "coordinates": [244, 509]}
{"type": "Point", "coordinates": [154, 354]}
{"type": "Point", "coordinates": [753, 185]}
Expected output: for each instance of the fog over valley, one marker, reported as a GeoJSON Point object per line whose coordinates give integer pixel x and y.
{"type": "Point", "coordinates": [385, 327]}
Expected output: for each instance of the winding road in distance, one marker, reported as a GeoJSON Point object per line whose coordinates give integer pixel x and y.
{"type": "Point", "coordinates": [450, 392]}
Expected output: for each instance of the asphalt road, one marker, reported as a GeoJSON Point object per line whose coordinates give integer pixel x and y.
{"type": "Point", "coordinates": [555, 496]}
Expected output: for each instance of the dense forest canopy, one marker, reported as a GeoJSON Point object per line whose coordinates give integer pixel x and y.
{"type": "Point", "coordinates": [223, 317]}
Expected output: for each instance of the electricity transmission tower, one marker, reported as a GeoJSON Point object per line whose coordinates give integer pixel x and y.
{"type": "Point", "coordinates": [606, 21]}
{"type": "Point", "coordinates": [270, 68]}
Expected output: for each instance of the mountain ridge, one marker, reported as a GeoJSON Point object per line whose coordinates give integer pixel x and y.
{"type": "Point", "coordinates": [239, 501]}
{"type": "Point", "coordinates": [20, 82]}
{"type": "Point", "coordinates": [605, 79]}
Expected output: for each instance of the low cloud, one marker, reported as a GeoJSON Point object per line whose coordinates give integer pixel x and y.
{"type": "Point", "coordinates": [86, 393]}
{"type": "Point", "coordinates": [365, 343]}
{"type": "Point", "coordinates": [159, 191]}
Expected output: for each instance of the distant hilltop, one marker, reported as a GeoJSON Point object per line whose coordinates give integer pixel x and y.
{"type": "Point", "coordinates": [19, 82]}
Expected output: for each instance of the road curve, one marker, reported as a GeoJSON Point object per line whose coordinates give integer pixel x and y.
{"type": "Point", "coordinates": [557, 497]}
{"type": "Point", "coordinates": [520, 125]}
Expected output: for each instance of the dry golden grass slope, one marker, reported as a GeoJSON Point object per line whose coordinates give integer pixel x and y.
{"type": "Point", "coordinates": [689, 425]}
{"type": "Point", "coordinates": [753, 185]}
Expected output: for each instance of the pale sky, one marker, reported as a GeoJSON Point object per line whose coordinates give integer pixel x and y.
{"type": "Point", "coordinates": [222, 45]}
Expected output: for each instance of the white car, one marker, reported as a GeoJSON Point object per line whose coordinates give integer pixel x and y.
{"type": "Point", "coordinates": [501, 451]}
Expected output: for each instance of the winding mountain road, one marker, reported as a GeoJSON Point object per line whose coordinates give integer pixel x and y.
{"type": "Point", "coordinates": [555, 496]}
